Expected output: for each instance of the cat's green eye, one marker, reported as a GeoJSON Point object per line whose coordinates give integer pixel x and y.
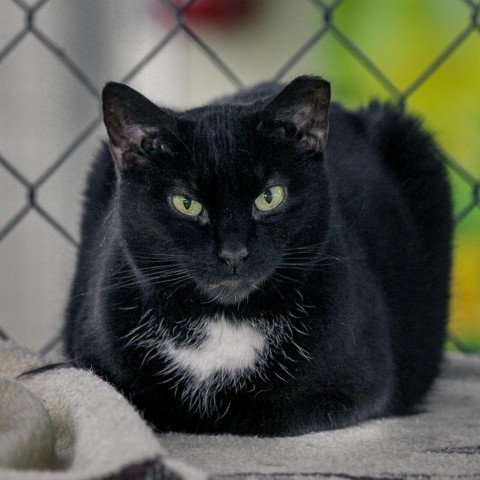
{"type": "Point", "coordinates": [187, 206]}
{"type": "Point", "coordinates": [271, 198]}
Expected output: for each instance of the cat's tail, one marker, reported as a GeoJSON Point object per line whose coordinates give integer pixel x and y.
{"type": "Point", "coordinates": [414, 159]}
{"type": "Point", "coordinates": [416, 165]}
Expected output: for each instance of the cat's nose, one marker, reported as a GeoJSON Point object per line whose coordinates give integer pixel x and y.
{"type": "Point", "coordinates": [233, 256]}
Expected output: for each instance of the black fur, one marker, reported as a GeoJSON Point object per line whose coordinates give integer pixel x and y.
{"type": "Point", "coordinates": [350, 272]}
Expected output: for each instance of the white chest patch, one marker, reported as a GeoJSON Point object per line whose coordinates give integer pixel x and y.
{"type": "Point", "coordinates": [231, 349]}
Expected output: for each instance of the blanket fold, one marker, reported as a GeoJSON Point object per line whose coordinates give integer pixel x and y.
{"type": "Point", "coordinates": [67, 423]}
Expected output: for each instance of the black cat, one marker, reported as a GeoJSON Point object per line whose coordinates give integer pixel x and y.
{"type": "Point", "coordinates": [238, 274]}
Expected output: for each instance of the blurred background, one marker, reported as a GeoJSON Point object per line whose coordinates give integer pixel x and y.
{"type": "Point", "coordinates": [56, 55]}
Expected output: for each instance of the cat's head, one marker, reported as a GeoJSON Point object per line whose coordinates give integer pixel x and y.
{"type": "Point", "coordinates": [226, 199]}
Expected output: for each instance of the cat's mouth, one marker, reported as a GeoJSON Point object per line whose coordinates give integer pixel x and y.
{"type": "Point", "coordinates": [231, 290]}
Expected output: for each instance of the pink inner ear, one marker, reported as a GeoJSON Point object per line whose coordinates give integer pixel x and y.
{"type": "Point", "coordinates": [126, 146]}
{"type": "Point", "coordinates": [135, 134]}
{"type": "Point", "coordinates": [304, 103]}
{"type": "Point", "coordinates": [312, 121]}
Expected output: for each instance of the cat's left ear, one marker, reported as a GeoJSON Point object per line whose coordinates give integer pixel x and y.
{"type": "Point", "coordinates": [300, 110]}
{"type": "Point", "coordinates": [136, 127]}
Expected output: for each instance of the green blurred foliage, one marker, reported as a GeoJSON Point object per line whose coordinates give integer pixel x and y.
{"type": "Point", "coordinates": [403, 39]}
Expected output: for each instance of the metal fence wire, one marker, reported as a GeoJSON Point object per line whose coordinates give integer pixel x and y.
{"type": "Point", "coordinates": [326, 9]}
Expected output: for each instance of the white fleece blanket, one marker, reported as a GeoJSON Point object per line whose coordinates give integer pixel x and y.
{"type": "Point", "coordinates": [69, 424]}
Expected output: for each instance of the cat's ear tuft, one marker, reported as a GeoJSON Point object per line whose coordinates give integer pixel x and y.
{"type": "Point", "coordinates": [300, 110]}
{"type": "Point", "coordinates": [134, 125]}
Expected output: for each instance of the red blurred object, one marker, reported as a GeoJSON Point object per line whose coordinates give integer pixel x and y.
{"type": "Point", "coordinates": [212, 11]}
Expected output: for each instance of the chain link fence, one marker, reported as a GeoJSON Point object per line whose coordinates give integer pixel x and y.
{"type": "Point", "coordinates": [33, 185]}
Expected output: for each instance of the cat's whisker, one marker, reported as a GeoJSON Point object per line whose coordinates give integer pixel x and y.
{"type": "Point", "coordinates": [284, 278]}
{"type": "Point", "coordinates": [173, 281]}
{"type": "Point", "coordinates": [211, 300]}
{"type": "Point", "coordinates": [150, 255]}
{"type": "Point", "coordinates": [152, 270]}
{"type": "Point", "coordinates": [306, 257]}
{"type": "Point", "coordinates": [158, 262]}
{"type": "Point", "coordinates": [282, 296]}
{"type": "Point", "coordinates": [297, 266]}
{"type": "Point", "coordinates": [161, 269]}
{"type": "Point", "coordinates": [131, 280]}
{"type": "Point", "coordinates": [305, 250]}
{"type": "Point", "coordinates": [313, 247]}
{"type": "Point", "coordinates": [299, 294]}
{"type": "Point", "coordinates": [158, 255]}
{"type": "Point", "coordinates": [182, 283]}
{"type": "Point", "coordinates": [303, 263]}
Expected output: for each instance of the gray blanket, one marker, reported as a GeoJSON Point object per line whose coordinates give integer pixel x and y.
{"type": "Point", "coordinates": [442, 442]}
{"type": "Point", "coordinates": [69, 424]}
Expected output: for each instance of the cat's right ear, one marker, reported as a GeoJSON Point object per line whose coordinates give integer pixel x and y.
{"type": "Point", "coordinates": [134, 125]}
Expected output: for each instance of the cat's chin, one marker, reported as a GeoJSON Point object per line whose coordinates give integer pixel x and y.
{"type": "Point", "coordinates": [231, 291]}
